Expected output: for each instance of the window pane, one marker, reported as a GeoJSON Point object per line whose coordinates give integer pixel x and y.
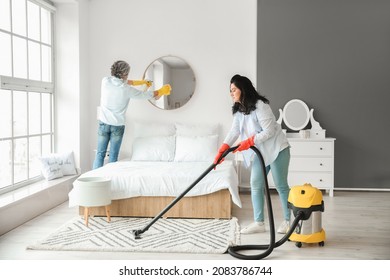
{"type": "Point", "coordinates": [5, 114]}
{"type": "Point", "coordinates": [20, 57]}
{"type": "Point", "coordinates": [33, 20]}
{"type": "Point", "coordinates": [34, 153]}
{"type": "Point", "coordinates": [46, 64]}
{"type": "Point", "coordinates": [5, 54]}
{"type": "Point", "coordinates": [46, 144]}
{"type": "Point", "coordinates": [19, 17]}
{"type": "Point", "coordinates": [46, 112]}
{"type": "Point", "coordinates": [26, 28]}
{"type": "Point", "coordinates": [5, 18]}
{"type": "Point", "coordinates": [5, 163]}
{"type": "Point", "coordinates": [45, 26]}
{"type": "Point", "coordinates": [20, 113]}
{"type": "Point", "coordinates": [34, 61]}
{"type": "Point", "coordinates": [34, 113]}
{"type": "Point", "coordinates": [20, 160]}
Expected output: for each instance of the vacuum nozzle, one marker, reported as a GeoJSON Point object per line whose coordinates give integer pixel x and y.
{"type": "Point", "coordinates": [137, 233]}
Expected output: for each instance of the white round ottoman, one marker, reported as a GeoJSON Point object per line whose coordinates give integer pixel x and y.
{"type": "Point", "coordinates": [93, 192]}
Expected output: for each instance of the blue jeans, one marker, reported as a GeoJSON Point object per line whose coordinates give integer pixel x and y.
{"type": "Point", "coordinates": [108, 134]}
{"type": "Point", "coordinates": [279, 173]}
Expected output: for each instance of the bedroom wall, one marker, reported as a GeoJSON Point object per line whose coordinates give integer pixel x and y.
{"type": "Point", "coordinates": [217, 38]}
{"type": "Point", "coordinates": [67, 75]}
{"type": "Point", "coordinates": [72, 91]}
{"type": "Point", "coordinates": [334, 55]}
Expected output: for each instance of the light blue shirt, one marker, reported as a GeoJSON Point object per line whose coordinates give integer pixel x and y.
{"type": "Point", "coordinates": [269, 137]}
{"type": "Point", "coordinates": [115, 97]}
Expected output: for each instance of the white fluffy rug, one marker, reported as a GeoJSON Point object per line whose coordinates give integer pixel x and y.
{"type": "Point", "coordinates": [204, 236]}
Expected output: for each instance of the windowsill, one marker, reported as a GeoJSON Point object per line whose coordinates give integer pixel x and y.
{"type": "Point", "coordinates": [21, 193]}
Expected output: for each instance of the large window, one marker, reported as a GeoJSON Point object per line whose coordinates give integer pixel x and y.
{"type": "Point", "coordinates": [26, 89]}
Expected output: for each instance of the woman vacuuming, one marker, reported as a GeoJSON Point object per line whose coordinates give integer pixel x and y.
{"type": "Point", "coordinates": [255, 124]}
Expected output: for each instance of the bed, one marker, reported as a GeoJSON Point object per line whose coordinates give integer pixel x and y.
{"type": "Point", "coordinates": [165, 161]}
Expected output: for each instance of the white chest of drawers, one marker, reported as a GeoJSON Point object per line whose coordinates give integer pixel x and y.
{"type": "Point", "coordinates": [312, 161]}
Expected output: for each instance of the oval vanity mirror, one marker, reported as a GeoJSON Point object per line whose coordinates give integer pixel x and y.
{"type": "Point", "coordinates": [296, 114]}
{"type": "Point", "coordinates": [176, 72]}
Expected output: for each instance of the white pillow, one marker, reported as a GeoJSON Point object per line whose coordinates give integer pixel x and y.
{"type": "Point", "coordinates": [66, 162]}
{"type": "Point", "coordinates": [50, 168]}
{"type": "Point", "coordinates": [153, 129]}
{"type": "Point", "coordinates": [160, 148]}
{"type": "Point", "coordinates": [196, 148]}
{"type": "Point", "coordinates": [196, 130]}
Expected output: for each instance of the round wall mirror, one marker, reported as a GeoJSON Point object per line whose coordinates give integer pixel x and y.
{"type": "Point", "coordinates": [296, 114]}
{"type": "Point", "coordinates": [176, 72]}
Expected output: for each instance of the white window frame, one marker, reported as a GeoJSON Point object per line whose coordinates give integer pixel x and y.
{"type": "Point", "coordinates": [26, 85]}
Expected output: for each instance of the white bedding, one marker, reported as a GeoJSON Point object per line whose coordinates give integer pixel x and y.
{"type": "Point", "coordinates": [153, 178]}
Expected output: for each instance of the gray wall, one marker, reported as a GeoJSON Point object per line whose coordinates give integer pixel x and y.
{"type": "Point", "coordinates": [335, 56]}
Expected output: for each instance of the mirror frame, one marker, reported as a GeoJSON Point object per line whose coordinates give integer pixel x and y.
{"type": "Point", "coordinates": [173, 106]}
{"type": "Point", "coordinates": [305, 109]}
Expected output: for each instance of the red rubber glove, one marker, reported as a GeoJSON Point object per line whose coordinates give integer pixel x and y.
{"type": "Point", "coordinates": [224, 147]}
{"type": "Point", "coordinates": [246, 144]}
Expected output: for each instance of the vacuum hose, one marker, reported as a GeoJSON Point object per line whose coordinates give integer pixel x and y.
{"type": "Point", "coordinates": [233, 250]}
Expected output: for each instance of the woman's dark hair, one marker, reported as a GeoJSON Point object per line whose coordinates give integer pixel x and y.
{"type": "Point", "coordinates": [249, 95]}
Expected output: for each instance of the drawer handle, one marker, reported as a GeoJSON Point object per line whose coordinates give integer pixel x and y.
{"type": "Point", "coordinates": [321, 148]}
{"type": "Point", "coordinates": [321, 164]}
{"type": "Point", "coordinates": [320, 180]}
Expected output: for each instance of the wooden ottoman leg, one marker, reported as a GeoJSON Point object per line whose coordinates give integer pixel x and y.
{"type": "Point", "coordinates": [108, 213]}
{"type": "Point", "coordinates": [86, 215]}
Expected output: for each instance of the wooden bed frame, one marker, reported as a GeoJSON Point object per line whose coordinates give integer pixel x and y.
{"type": "Point", "coordinates": [216, 205]}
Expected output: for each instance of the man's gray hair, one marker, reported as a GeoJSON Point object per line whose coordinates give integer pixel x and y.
{"type": "Point", "coordinates": [120, 68]}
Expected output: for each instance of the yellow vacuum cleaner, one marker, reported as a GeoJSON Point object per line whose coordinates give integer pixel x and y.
{"type": "Point", "coordinates": [307, 199]}
{"type": "Point", "coordinates": [306, 204]}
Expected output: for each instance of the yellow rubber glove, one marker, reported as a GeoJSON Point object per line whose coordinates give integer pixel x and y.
{"type": "Point", "coordinates": [164, 90]}
{"type": "Point", "coordinates": [142, 82]}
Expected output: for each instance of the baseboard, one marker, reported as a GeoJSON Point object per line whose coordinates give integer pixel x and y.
{"type": "Point", "coordinates": [21, 211]}
{"type": "Point", "coordinates": [362, 189]}
{"type": "Point", "coordinates": [246, 190]}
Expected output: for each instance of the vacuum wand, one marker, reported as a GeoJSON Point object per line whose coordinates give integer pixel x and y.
{"type": "Point", "coordinates": [138, 232]}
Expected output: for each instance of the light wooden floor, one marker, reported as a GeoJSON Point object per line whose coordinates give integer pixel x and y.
{"type": "Point", "coordinates": [357, 226]}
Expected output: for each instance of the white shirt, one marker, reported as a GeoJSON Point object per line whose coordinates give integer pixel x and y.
{"type": "Point", "coordinates": [269, 137]}
{"type": "Point", "coordinates": [115, 98]}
